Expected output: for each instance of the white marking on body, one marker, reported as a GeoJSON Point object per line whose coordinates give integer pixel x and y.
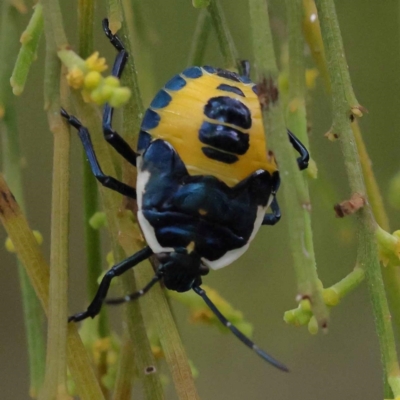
{"type": "Point", "coordinates": [232, 255]}
{"type": "Point", "coordinates": [148, 231]}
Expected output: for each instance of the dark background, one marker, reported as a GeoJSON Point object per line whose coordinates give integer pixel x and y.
{"type": "Point", "coordinates": [345, 363]}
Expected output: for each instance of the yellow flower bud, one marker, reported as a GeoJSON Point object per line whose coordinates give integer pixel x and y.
{"type": "Point", "coordinates": [75, 78]}
{"type": "Point", "coordinates": [92, 80]}
{"type": "Point", "coordinates": [120, 96]}
{"type": "Point", "coordinates": [112, 81]}
{"type": "Point", "coordinates": [96, 63]}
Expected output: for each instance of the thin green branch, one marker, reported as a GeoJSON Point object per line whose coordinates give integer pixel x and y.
{"type": "Point", "coordinates": [200, 37]}
{"type": "Point", "coordinates": [56, 371]}
{"type": "Point", "coordinates": [227, 46]}
{"type": "Point", "coordinates": [126, 371]}
{"type": "Point", "coordinates": [11, 155]}
{"type": "Point", "coordinates": [28, 52]}
{"type": "Point", "coordinates": [56, 368]}
{"type": "Point", "coordinates": [296, 196]}
{"type": "Point", "coordinates": [90, 192]}
{"type": "Point", "coordinates": [343, 100]}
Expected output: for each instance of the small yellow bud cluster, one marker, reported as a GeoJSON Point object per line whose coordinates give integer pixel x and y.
{"type": "Point", "coordinates": [86, 75]}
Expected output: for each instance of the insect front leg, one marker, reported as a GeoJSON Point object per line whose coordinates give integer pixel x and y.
{"type": "Point", "coordinates": [111, 136]}
{"type": "Point", "coordinates": [105, 180]}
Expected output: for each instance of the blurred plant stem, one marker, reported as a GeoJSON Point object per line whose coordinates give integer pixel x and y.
{"type": "Point", "coordinates": [226, 43]}
{"type": "Point", "coordinates": [12, 169]}
{"type": "Point", "coordinates": [295, 193]}
{"type": "Point", "coordinates": [55, 385]}
{"type": "Point", "coordinates": [343, 104]}
{"type": "Point", "coordinates": [200, 37]}
{"type": "Point", "coordinates": [90, 192]}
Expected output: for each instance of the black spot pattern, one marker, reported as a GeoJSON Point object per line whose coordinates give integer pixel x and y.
{"type": "Point", "coordinates": [224, 138]}
{"type": "Point", "coordinates": [228, 110]}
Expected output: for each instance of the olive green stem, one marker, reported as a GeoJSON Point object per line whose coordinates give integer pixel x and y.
{"type": "Point", "coordinates": [343, 101]}
{"type": "Point", "coordinates": [391, 275]}
{"type": "Point", "coordinates": [90, 193]}
{"type": "Point", "coordinates": [28, 52]}
{"type": "Point", "coordinates": [200, 38]}
{"type": "Point", "coordinates": [11, 155]}
{"type": "Point", "coordinates": [227, 46]}
{"type": "Point", "coordinates": [296, 197]}
{"type": "Point", "coordinates": [126, 370]}
{"type": "Point", "coordinates": [56, 359]}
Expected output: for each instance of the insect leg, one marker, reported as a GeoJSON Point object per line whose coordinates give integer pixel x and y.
{"type": "Point", "coordinates": [105, 180]}
{"type": "Point", "coordinates": [116, 270]}
{"type": "Point", "coordinates": [244, 339]}
{"type": "Point", "coordinates": [111, 136]}
{"type": "Point", "coordinates": [135, 295]}
{"type": "Point", "coordinates": [302, 161]}
{"type": "Point", "coordinates": [275, 216]}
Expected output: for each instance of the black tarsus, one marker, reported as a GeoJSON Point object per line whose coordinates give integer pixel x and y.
{"type": "Point", "coordinates": [304, 158]}
{"type": "Point", "coordinates": [275, 216]}
{"type": "Point", "coordinates": [111, 136]}
{"type": "Point", "coordinates": [116, 270]}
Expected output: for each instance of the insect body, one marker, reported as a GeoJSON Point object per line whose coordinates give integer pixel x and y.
{"type": "Point", "coordinates": [204, 182]}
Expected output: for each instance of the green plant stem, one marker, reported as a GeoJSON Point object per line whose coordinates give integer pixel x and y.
{"type": "Point", "coordinates": [296, 197]}
{"type": "Point", "coordinates": [391, 275]}
{"type": "Point", "coordinates": [11, 155]}
{"type": "Point", "coordinates": [227, 46]}
{"type": "Point", "coordinates": [28, 52]}
{"type": "Point", "coordinates": [200, 37]}
{"type": "Point", "coordinates": [90, 192]}
{"type": "Point", "coordinates": [56, 360]}
{"type": "Point", "coordinates": [343, 100]}
{"type": "Point", "coordinates": [349, 282]}
{"type": "Point", "coordinates": [126, 370]}
{"type": "Point", "coordinates": [31, 257]}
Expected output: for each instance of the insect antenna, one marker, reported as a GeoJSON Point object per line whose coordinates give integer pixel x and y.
{"type": "Point", "coordinates": [135, 295]}
{"type": "Point", "coordinates": [244, 339]}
